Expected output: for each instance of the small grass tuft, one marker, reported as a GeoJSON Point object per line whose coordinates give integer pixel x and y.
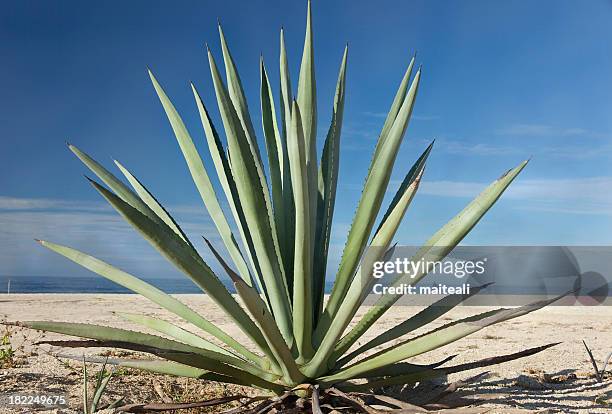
{"type": "Point", "coordinates": [7, 353]}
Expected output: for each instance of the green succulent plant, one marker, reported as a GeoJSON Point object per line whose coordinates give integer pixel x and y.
{"type": "Point", "coordinates": [283, 221]}
{"type": "Point", "coordinates": [92, 405]}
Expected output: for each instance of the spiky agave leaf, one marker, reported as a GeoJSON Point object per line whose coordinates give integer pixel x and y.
{"type": "Point", "coordinates": [228, 184]}
{"type": "Point", "coordinates": [358, 289]}
{"type": "Point", "coordinates": [201, 179]}
{"type": "Point", "coordinates": [409, 374]}
{"type": "Point", "coordinates": [254, 198]}
{"type": "Point", "coordinates": [284, 224]}
{"type": "Point", "coordinates": [268, 326]}
{"type": "Point", "coordinates": [422, 318]}
{"type": "Point", "coordinates": [277, 155]}
{"type": "Point", "coordinates": [186, 259]}
{"type": "Point", "coordinates": [152, 293]}
{"type": "Point", "coordinates": [150, 200]}
{"type": "Point", "coordinates": [260, 312]}
{"type": "Point", "coordinates": [239, 106]}
{"type": "Point", "coordinates": [172, 350]}
{"type": "Point", "coordinates": [173, 331]}
{"type": "Point", "coordinates": [436, 248]}
{"type": "Point", "coordinates": [327, 184]}
{"type": "Point", "coordinates": [307, 102]}
{"type": "Point", "coordinates": [285, 110]}
{"type": "Point", "coordinates": [156, 366]}
{"type": "Point", "coordinates": [368, 207]}
{"type": "Point", "coordinates": [434, 339]}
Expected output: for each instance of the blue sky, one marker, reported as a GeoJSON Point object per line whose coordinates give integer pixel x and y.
{"type": "Point", "coordinates": [502, 81]}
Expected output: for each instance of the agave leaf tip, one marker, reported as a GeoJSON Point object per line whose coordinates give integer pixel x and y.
{"type": "Point", "coordinates": [518, 168]}
{"type": "Point", "coordinates": [429, 148]}
{"type": "Point", "coordinates": [153, 79]}
{"type": "Point", "coordinates": [221, 35]}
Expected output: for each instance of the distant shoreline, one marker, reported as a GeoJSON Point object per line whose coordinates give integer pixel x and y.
{"type": "Point", "coordinates": [80, 285]}
{"type": "Point", "coordinates": [483, 299]}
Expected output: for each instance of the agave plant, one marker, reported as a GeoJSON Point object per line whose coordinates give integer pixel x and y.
{"type": "Point", "coordinates": [91, 405]}
{"type": "Point", "coordinates": [298, 341]}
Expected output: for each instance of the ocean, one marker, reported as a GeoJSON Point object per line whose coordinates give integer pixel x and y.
{"type": "Point", "coordinates": [63, 284]}
{"type": "Point", "coordinates": [500, 295]}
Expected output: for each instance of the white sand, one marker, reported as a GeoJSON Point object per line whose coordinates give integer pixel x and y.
{"type": "Point", "coordinates": [504, 387]}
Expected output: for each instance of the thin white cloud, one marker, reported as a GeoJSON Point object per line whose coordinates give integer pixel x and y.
{"type": "Point", "coordinates": [460, 147]}
{"type": "Point", "coordinates": [375, 114]}
{"type": "Point", "coordinates": [16, 203]}
{"type": "Point", "coordinates": [92, 227]}
{"type": "Point", "coordinates": [413, 117]}
{"type": "Point", "coordinates": [579, 196]}
{"type": "Point", "coordinates": [564, 151]}
{"type": "Point", "coordinates": [577, 152]}
{"type": "Point", "coordinates": [446, 188]}
{"type": "Point", "coordinates": [424, 117]}
{"type": "Point", "coordinates": [49, 204]}
{"type": "Point", "coordinates": [543, 130]}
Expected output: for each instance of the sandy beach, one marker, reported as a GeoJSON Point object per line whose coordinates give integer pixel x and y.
{"type": "Point", "coordinates": [559, 379]}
